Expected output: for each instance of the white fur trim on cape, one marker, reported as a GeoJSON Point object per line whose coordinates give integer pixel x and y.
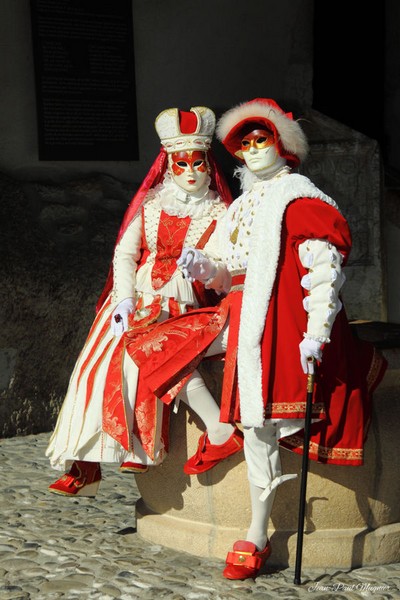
{"type": "Point", "coordinates": [248, 178]}
{"type": "Point", "coordinates": [260, 278]}
{"type": "Point", "coordinates": [292, 136]}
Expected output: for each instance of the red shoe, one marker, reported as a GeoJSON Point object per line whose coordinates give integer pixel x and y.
{"type": "Point", "coordinates": [208, 455]}
{"type": "Point", "coordinates": [83, 479]}
{"type": "Point", "coordinates": [132, 467]}
{"type": "Point", "coordinates": [245, 561]}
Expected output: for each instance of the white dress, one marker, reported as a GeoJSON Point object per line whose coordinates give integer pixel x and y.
{"type": "Point", "coordinates": [78, 434]}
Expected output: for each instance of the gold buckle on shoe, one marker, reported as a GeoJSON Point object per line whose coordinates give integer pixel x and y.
{"type": "Point", "coordinates": [241, 559]}
{"type": "Point", "coordinates": [242, 556]}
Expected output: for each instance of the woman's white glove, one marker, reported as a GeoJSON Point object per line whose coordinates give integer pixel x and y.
{"type": "Point", "coordinates": [309, 349]}
{"type": "Point", "coordinates": [194, 265]}
{"type": "Point", "coordinates": [119, 318]}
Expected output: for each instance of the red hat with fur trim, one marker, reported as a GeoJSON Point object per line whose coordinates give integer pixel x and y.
{"type": "Point", "coordinates": [262, 113]}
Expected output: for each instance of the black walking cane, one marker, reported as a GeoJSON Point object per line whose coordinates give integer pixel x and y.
{"type": "Point", "coordinates": [304, 472]}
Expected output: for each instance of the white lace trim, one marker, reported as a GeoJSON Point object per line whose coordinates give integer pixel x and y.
{"type": "Point", "coordinates": [176, 202]}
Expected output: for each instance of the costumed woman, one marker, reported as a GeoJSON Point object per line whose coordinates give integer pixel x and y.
{"type": "Point", "coordinates": [105, 417]}
{"type": "Point", "coordinates": [279, 254]}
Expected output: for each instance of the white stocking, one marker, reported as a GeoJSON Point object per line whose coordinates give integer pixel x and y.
{"type": "Point", "coordinates": [197, 396]}
{"type": "Point", "coordinates": [261, 451]}
{"type": "Point", "coordinates": [260, 514]}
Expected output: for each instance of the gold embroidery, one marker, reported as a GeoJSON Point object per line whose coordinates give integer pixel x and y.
{"type": "Point", "coordinates": [112, 427]}
{"type": "Point", "coordinates": [154, 344]}
{"type": "Point", "coordinates": [317, 451]}
{"type": "Point", "coordinates": [234, 235]}
{"type": "Point", "coordinates": [293, 407]}
{"type": "Point", "coordinates": [237, 288]}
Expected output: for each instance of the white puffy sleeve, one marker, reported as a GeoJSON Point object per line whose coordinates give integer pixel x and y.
{"type": "Point", "coordinates": [126, 255]}
{"type": "Point", "coordinates": [323, 283]}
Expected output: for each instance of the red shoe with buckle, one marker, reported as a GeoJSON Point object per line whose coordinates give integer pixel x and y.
{"type": "Point", "coordinates": [208, 455]}
{"type": "Point", "coordinates": [245, 561]}
{"type": "Point", "coordinates": [132, 467]}
{"type": "Point", "coordinates": [83, 479]}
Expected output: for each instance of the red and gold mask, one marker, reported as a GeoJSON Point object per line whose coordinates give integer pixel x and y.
{"type": "Point", "coordinates": [260, 151]}
{"type": "Point", "coordinates": [182, 161]}
{"type": "Point", "coordinates": [259, 139]}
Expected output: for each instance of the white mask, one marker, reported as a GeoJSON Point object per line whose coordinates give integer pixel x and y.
{"type": "Point", "coordinates": [189, 170]}
{"type": "Point", "coordinates": [260, 152]}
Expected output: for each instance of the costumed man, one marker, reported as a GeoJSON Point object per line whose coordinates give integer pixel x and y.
{"type": "Point", "coordinates": [105, 417]}
{"type": "Point", "coordinates": [278, 254]}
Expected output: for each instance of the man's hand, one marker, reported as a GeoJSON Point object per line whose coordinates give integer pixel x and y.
{"type": "Point", "coordinates": [309, 349]}
{"type": "Point", "coordinates": [119, 318]}
{"type": "Point", "coordinates": [194, 265]}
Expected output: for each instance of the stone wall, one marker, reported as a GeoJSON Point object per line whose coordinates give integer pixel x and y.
{"type": "Point", "coordinates": [57, 243]}
{"type": "Point", "coordinates": [391, 239]}
{"type": "Point", "coordinates": [347, 166]}
{"type": "Point", "coordinates": [186, 55]}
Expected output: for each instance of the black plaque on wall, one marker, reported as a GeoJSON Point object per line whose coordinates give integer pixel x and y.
{"type": "Point", "coordinates": [85, 79]}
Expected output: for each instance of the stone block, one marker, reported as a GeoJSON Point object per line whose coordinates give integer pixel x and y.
{"type": "Point", "coordinates": [346, 165]}
{"type": "Point", "coordinates": [352, 513]}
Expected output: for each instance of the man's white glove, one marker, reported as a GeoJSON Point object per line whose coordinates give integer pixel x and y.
{"type": "Point", "coordinates": [119, 318]}
{"type": "Point", "coordinates": [309, 348]}
{"type": "Point", "coordinates": [194, 265]}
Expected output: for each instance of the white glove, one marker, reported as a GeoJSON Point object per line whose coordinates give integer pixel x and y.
{"type": "Point", "coordinates": [309, 348]}
{"type": "Point", "coordinates": [194, 265]}
{"type": "Point", "coordinates": [119, 318]}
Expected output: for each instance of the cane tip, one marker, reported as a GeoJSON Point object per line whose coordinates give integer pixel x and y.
{"type": "Point", "coordinates": [297, 581]}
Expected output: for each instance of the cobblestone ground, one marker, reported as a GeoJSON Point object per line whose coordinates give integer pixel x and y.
{"type": "Point", "coordinates": [55, 547]}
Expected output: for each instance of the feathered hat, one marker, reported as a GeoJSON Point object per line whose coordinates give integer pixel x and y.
{"type": "Point", "coordinates": [258, 114]}
{"type": "Point", "coordinates": [181, 131]}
